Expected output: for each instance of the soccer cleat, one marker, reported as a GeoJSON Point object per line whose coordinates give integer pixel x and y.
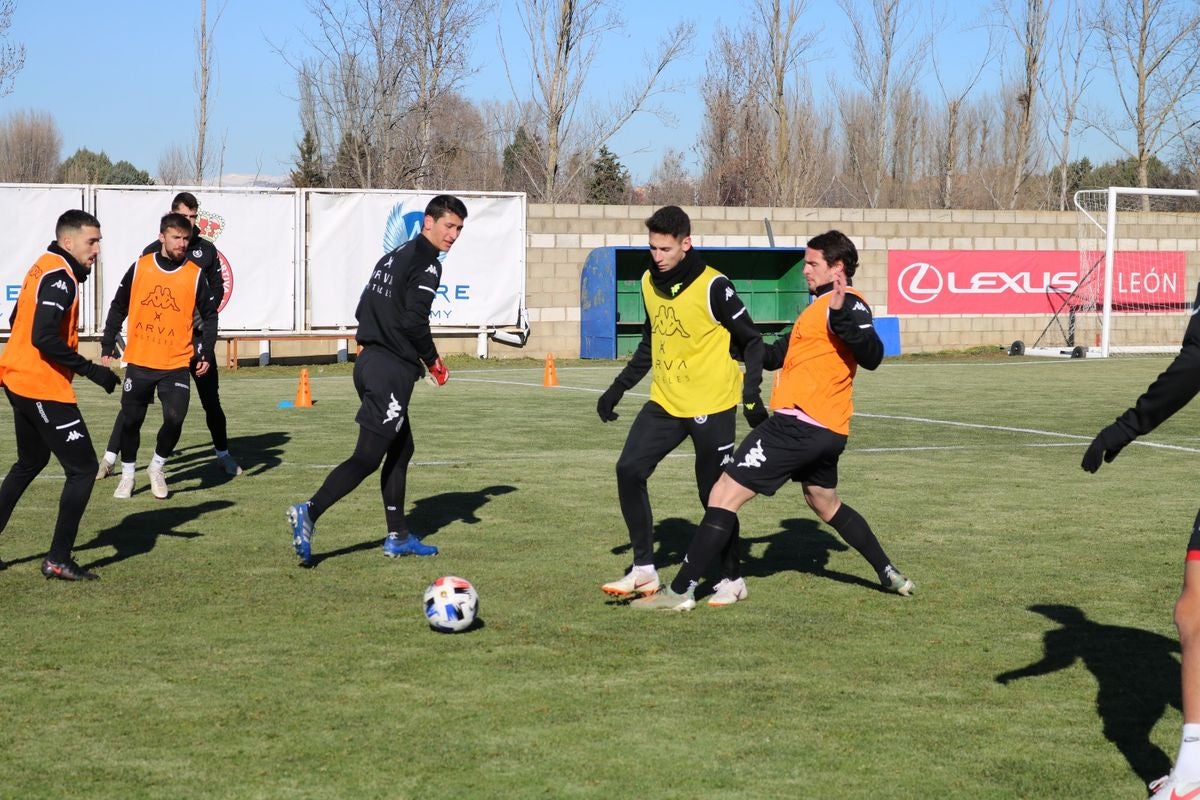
{"type": "Point", "coordinates": [230, 466]}
{"type": "Point", "coordinates": [636, 581]}
{"type": "Point", "coordinates": [302, 530]}
{"type": "Point", "coordinates": [104, 470]}
{"type": "Point", "coordinates": [395, 546]}
{"type": "Point", "coordinates": [893, 581]}
{"type": "Point", "coordinates": [1167, 788]}
{"type": "Point", "coordinates": [728, 592]}
{"type": "Point", "coordinates": [158, 482]}
{"type": "Point", "coordinates": [124, 488]}
{"type": "Point", "coordinates": [67, 571]}
{"type": "Point", "coordinates": [666, 600]}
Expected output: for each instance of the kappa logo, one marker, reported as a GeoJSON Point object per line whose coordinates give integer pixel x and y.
{"type": "Point", "coordinates": [859, 306]}
{"type": "Point", "coordinates": [667, 324]}
{"type": "Point", "coordinates": [431, 268]}
{"type": "Point", "coordinates": [755, 458]}
{"type": "Point", "coordinates": [74, 436]}
{"type": "Point", "coordinates": [393, 412]}
{"type": "Point", "coordinates": [161, 297]}
{"type": "Point", "coordinates": [728, 292]}
{"type": "Point", "coordinates": [61, 285]}
{"type": "Point", "coordinates": [728, 459]}
{"type": "Point", "coordinates": [675, 288]}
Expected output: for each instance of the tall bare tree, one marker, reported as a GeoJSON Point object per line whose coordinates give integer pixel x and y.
{"type": "Point", "coordinates": [958, 139]}
{"type": "Point", "coordinates": [1073, 67]}
{"type": "Point", "coordinates": [1153, 51]}
{"type": "Point", "coordinates": [12, 56]}
{"type": "Point", "coordinates": [1028, 22]}
{"type": "Point", "coordinates": [564, 37]}
{"type": "Point", "coordinates": [885, 59]}
{"type": "Point", "coordinates": [29, 147]}
{"type": "Point", "coordinates": [203, 83]}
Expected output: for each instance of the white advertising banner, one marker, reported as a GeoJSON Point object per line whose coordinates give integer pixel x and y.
{"type": "Point", "coordinates": [253, 230]}
{"type": "Point", "coordinates": [483, 275]}
{"type": "Point", "coordinates": [31, 212]}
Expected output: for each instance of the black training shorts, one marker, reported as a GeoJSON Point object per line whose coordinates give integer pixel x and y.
{"type": "Point", "coordinates": [384, 384]}
{"type": "Point", "coordinates": [786, 449]}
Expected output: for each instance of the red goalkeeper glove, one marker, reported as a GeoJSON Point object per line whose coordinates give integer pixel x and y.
{"type": "Point", "coordinates": [437, 374]}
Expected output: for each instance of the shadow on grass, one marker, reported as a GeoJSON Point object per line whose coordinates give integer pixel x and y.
{"type": "Point", "coordinates": [1137, 674]}
{"type": "Point", "coordinates": [256, 454]}
{"type": "Point", "coordinates": [138, 533]}
{"type": "Point", "coordinates": [429, 515]}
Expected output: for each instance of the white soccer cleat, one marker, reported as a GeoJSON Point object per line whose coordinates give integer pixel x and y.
{"type": "Point", "coordinates": [158, 482]}
{"type": "Point", "coordinates": [728, 592]}
{"type": "Point", "coordinates": [666, 600]}
{"type": "Point", "coordinates": [124, 488]}
{"type": "Point", "coordinates": [231, 467]}
{"type": "Point", "coordinates": [104, 470]}
{"type": "Point", "coordinates": [1167, 788]}
{"type": "Point", "coordinates": [638, 581]}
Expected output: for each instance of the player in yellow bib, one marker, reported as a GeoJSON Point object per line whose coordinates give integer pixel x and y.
{"type": "Point", "coordinates": [693, 316]}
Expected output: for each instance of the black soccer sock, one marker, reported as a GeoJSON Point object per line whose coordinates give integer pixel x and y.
{"type": "Point", "coordinates": [851, 526]}
{"type": "Point", "coordinates": [715, 531]}
{"type": "Point", "coordinates": [731, 560]}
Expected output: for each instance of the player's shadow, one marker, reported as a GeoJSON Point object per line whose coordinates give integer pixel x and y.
{"type": "Point", "coordinates": [428, 516]}
{"type": "Point", "coordinates": [1136, 672]}
{"type": "Point", "coordinates": [139, 532]}
{"type": "Point", "coordinates": [196, 462]}
{"type": "Point", "coordinates": [671, 539]}
{"type": "Point", "coordinates": [801, 545]}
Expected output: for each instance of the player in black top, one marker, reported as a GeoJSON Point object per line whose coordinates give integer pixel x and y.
{"type": "Point", "coordinates": [397, 347]}
{"type": "Point", "coordinates": [204, 254]}
{"type": "Point", "coordinates": [1171, 391]}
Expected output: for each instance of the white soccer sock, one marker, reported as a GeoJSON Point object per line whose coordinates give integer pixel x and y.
{"type": "Point", "coordinates": [128, 468]}
{"type": "Point", "coordinates": [1187, 765]}
{"type": "Point", "coordinates": [220, 453]}
{"type": "Point", "coordinates": [157, 462]}
{"type": "Point", "coordinates": [110, 457]}
{"type": "Point", "coordinates": [645, 569]}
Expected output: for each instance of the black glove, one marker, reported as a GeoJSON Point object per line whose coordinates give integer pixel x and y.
{"type": "Point", "coordinates": [754, 410]}
{"type": "Point", "coordinates": [1107, 445]}
{"type": "Point", "coordinates": [102, 376]}
{"type": "Point", "coordinates": [608, 401]}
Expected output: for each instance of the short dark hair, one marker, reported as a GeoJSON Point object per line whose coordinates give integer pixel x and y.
{"type": "Point", "coordinates": [74, 220]}
{"type": "Point", "coordinates": [175, 220]}
{"type": "Point", "coordinates": [671, 220]}
{"type": "Point", "coordinates": [187, 200]}
{"type": "Point", "coordinates": [443, 204]}
{"type": "Point", "coordinates": [836, 246]}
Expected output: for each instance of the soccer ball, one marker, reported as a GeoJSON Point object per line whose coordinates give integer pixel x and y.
{"type": "Point", "coordinates": [451, 604]}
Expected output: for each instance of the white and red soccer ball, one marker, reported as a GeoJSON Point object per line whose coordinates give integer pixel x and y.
{"type": "Point", "coordinates": [451, 604]}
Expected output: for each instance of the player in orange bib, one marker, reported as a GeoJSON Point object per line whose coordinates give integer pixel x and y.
{"type": "Point", "coordinates": [159, 294]}
{"type": "Point", "coordinates": [36, 370]}
{"type": "Point", "coordinates": [806, 435]}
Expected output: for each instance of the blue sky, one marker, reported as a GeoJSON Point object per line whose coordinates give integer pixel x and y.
{"type": "Point", "coordinates": [118, 76]}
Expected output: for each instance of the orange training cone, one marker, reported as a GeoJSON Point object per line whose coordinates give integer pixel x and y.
{"type": "Point", "coordinates": [550, 376]}
{"type": "Point", "coordinates": [303, 392]}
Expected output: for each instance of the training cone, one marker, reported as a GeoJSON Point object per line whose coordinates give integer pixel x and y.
{"type": "Point", "coordinates": [303, 391]}
{"type": "Point", "coordinates": [550, 376]}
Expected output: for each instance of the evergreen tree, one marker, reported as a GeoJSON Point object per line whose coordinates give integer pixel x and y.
{"type": "Point", "coordinates": [610, 180]}
{"type": "Point", "coordinates": [308, 173]}
{"type": "Point", "coordinates": [84, 166]}
{"type": "Point", "coordinates": [124, 173]}
{"type": "Point", "coordinates": [521, 165]}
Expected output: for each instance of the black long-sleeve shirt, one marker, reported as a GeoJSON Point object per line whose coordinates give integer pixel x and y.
{"type": "Point", "coordinates": [393, 311]}
{"type": "Point", "coordinates": [852, 323]}
{"type": "Point", "coordinates": [1173, 389]}
{"type": "Point", "coordinates": [205, 307]}
{"type": "Point", "coordinates": [731, 312]}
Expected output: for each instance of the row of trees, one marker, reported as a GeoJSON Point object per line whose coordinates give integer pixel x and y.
{"type": "Point", "coordinates": [29, 153]}
{"type": "Point", "coordinates": [381, 104]}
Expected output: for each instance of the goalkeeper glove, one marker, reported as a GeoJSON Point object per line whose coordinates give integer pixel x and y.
{"type": "Point", "coordinates": [754, 411]}
{"type": "Point", "coordinates": [608, 401]}
{"type": "Point", "coordinates": [102, 376]}
{"type": "Point", "coordinates": [1107, 445]}
{"type": "Point", "coordinates": [438, 374]}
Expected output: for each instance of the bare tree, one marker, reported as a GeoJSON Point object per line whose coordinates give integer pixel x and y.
{"type": "Point", "coordinates": [203, 81]}
{"type": "Point", "coordinates": [670, 183]}
{"type": "Point", "coordinates": [564, 37]}
{"type": "Point", "coordinates": [953, 147]}
{"type": "Point", "coordinates": [174, 167]}
{"type": "Point", "coordinates": [882, 65]}
{"type": "Point", "coordinates": [29, 147]}
{"type": "Point", "coordinates": [1074, 71]}
{"type": "Point", "coordinates": [1153, 51]}
{"type": "Point", "coordinates": [12, 56]}
{"type": "Point", "coordinates": [1028, 22]}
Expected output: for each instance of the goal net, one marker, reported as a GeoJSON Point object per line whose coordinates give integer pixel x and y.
{"type": "Point", "coordinates": [1132, 294]}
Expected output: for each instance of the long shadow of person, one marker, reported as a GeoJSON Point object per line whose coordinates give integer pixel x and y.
{"type": "Point", "coordinates": [256, 454]}
{"type": "Point", "coordinates": [672, 537]}
{"type": "Point", "coordinates": [137, 533]}
{"type": "Point", "coordinates": [430, 515]}
{"type": "Point", "coordinates": [1137, 674]}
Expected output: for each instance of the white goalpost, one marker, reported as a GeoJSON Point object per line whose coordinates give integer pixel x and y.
{"type": "Point", "coordinates": [1133, 291]}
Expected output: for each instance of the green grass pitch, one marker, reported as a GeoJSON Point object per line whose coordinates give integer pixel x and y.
{"type": "Point", "coordinates": [207, 664]}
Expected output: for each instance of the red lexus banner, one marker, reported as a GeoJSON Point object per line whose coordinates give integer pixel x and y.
{"type": "Point", "coordinates": [1025, 281]}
